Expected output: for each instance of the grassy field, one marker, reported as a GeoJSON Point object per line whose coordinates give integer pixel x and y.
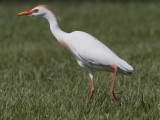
{"type": "Point", "coordinates": [39, 80]}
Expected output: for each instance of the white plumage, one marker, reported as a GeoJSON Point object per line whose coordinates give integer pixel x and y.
{"type": "Point", "coordinates": [93, 53]}
{"type": "Point", "coordinates": [88, 51]}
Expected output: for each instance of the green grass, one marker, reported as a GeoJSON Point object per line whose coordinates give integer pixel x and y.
{"type": "Point", "coordinates": [39, 80]}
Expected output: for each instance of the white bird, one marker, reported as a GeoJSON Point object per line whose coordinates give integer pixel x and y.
{"type": "Point", "coordinates": [89, 52]}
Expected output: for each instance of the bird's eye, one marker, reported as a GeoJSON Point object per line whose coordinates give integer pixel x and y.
{"type": "Point", "coordinates": [35, 10]}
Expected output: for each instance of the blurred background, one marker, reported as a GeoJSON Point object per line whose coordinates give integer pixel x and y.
{"type": "Point", "coordinates": [39, 80]}
{"type": "Point", "coordinates": [84, 0]}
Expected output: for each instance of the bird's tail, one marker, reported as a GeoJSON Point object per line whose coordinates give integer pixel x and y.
{"type": "Point", "coordinates": [124, 67]}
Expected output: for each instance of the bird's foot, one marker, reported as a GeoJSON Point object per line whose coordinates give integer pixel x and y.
{"type": "Point", "coordinates": [119, 92]}
{"type": "Point", "coordinates": [90, 96]}
{"type": "Point", "coordinates": [88, 103]}
{"type": "Point", "coordinates": [114, 99]}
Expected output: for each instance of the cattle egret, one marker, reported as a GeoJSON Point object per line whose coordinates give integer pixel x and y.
{"type": "Point", "coordinates": [88, 51]}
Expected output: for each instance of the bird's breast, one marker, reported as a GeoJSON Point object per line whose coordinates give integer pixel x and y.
{"type": "Point", "coordinates": [66, 46]}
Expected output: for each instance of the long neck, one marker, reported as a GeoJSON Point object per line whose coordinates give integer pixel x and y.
{"type": "Point", "coordinates": [54, 26]}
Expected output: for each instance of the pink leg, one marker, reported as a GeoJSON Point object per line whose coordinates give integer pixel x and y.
{"type": "Point", "coordinates": [92, 92]}
{"type": "Point", "coordinates": [112, 93]}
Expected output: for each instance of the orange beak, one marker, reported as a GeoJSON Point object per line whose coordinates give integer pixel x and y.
{"type": "Point", "coordinates": [29, 12]}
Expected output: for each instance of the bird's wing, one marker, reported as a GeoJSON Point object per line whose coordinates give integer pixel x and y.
{"type": "Point", "coordinates": [88, 49]}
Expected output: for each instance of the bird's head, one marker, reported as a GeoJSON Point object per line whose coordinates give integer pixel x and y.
{"type": "Point", "coordinates": [40, 10]}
